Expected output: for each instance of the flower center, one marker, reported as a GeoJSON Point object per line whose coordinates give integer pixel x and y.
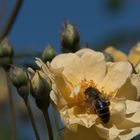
{"type": "Point", "coordinates": [80, 93]}
{"type": "Point", "coordinates": [87, 95]}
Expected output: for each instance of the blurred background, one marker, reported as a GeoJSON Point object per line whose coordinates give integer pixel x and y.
{"type": "Point", "coordinates": [100, 24]}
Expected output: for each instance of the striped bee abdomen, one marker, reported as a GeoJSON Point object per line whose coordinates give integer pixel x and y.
{"type": "Point", "coordinates": [102, 109]}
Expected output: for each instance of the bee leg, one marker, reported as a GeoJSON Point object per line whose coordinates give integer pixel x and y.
{"type": "Point", "coordinates": [88, 111]}
{"type": "Point", "coordinates": [95, 111]}
{"type": "Point", "coordinates": [108, 103]}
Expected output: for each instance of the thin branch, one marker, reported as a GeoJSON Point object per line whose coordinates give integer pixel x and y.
{"type": "Point", "coordinates": [11, 20]}
{"type": "Point", "coordinates": [48, 124]}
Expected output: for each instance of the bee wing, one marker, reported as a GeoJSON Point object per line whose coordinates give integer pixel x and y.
{"type": "Point", "coordinates": [106, 99]}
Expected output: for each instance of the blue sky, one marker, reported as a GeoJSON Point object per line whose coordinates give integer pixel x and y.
{"type": "Point", "coordinates": [39, 23]}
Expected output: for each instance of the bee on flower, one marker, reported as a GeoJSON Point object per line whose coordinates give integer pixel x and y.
{"type": "Point", "coordinates": [95, 99]}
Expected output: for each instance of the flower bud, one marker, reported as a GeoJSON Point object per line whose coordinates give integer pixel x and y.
{"type": "Point", "coordinates": [5, 49]}
{"type": "Point", "coordinates": [108, 57]}
{"type": "Point", "coordinates": [40, 90]}
{"type": "Point", "coordinates": [18, 76]}
{"type": "Point", "coordinates": [70, 38]}
{"type": "Point", "coordinates": [20, 80]}
{"type": "Point", "coordinates": [6, 54]}
{"type": "Point", "coordinates": [48, 54]}
{"type": "Point", "coordinates": [5, 62]}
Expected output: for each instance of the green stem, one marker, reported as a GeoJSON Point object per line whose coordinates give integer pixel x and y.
{"type": "Point", "coordinates": [12, 109]}
{"type": "Point", "coordinates": [32, 119]}
{"type": "Point", "coordinates": [48, 124]}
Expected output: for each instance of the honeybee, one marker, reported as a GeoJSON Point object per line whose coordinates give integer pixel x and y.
{"type": "Point", "coordinates": [97, 104]}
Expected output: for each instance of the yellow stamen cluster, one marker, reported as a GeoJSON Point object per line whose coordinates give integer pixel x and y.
{"type": "Point", "coordinates": [84, 84]}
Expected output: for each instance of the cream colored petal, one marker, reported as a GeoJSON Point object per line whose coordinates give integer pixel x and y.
{"type": "Point", "coordinates": [134, 55]}
{"type": "Point", "coordinates": [117, 55]}
{"type": "Point", "coordinates": [62, 87]}
{"type": "Point", "coordinates": [132, 106]}
{"type": "Point", "coordinates": [132, 133]}
{"type": "Point", "coordinates": [81, 52]}
{"type": "Point", "coordinates": [117, 110]}
{"type": "Point", "coordinates": [108, 133]}
{"type": "Point", "coordinates": [44, 68]}
{"type": "Point", "coordinates": [77, 115]}
{"type": "Point", "coordinates": [29, 69]}
{"type": "Point", "coordinates": [128, 91]}
{"type": "Point", "coordinates": [58, 99]}
{"type": "Point", "coordinates": [53, 97]}
{"type": "Point", "coordinates": [135, 118]}
{"type": "Point", "coordinates": [121, 131]}
{"type": "Point", "coordinates": [93, 65]}
{"type": "Point", "coordinates": [135, 80]}
{"type": "Point", "coordinates": [72, 67]}
{"type": "Point", "coordinates": [115, 78]}
{"type": "Point", "coordinates": [39, 62]}
{"type": "Point", "coordinates": [82, 133]}
{"type": "Point", "coordinates": [126, 124]}
{"type": "Point", "coordinates": [128, 129]}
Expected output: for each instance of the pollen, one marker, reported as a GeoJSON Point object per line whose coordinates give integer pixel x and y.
{"type": "Point", "coordinates": [84, 84]}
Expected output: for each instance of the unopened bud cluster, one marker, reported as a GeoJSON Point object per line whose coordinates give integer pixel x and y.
{"type": "Point", "coordinates": [40, 90]}
{"type": "Point", "coordinates": [6, 54]}
{"type": "Point", "coordinates": [48, 54]}
{"type": "Point", "coordinates": [20, 80]}
{"type": "Point", "coordinates": [69, 38]}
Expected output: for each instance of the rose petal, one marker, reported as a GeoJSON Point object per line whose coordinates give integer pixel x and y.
{"type": "Point", "coordinates": [128, 129]}
{"type": "Point", "coordinates": [127, 124]}
{"type": "Point", "coordinates": [81, 52]}
{"type": "Point", "coordinates": [44, 68]}
{"type": "Point", "coordinates": [132, 106]}
{"type": "Point", "coordinates": [62, 87]}
{"type": "Point", "coordinates": [54, 97]}
{"type": "Point", "coordinates": [135, 80]}
{"type": "Point", "coordinates": [110, 133]}
{"type": "Point", "coordinates": [134, 55]}
{"type": "Point", "coordinates": [128, 91]}
{"type": "Point", "coordinates": [116, 76]}
{"type": "Point", "coordinates": [132, 133]}
{"type": "Point", "coordinates": [122, 131]}
{"type": "Point", "coordinates": [117, 55]}
{"type": "Point", "coordinates": [58, 99]}
{"type": "Point", "coordinates": [135, 117]}
{"type": "Point", "coordinates": [72, 67]}
{"type": "Point", "coordinates": [82, 133]}
{"type": "Point", "coordinates": [117, 110]}
{"type": "Point", "coordinates": [93, 66]}
{"type": "Point", "coordinates": [77, 115]}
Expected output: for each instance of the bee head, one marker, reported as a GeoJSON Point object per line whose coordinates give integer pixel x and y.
{"type": "Point", "coordinates": [92, 93]}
